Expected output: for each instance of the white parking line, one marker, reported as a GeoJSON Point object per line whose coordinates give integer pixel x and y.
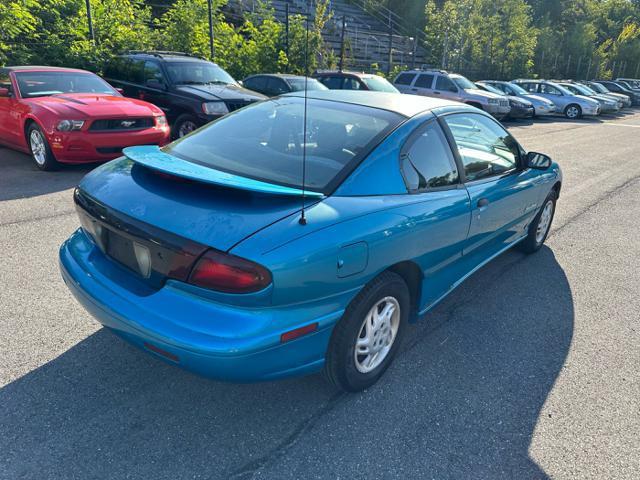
{"type": "Point", "coordinates": [621, 124]}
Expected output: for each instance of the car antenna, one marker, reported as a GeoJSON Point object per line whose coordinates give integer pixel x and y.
{"type": "Point", "coordinates": [303, 219]}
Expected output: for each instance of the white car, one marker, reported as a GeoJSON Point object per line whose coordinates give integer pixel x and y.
{"type": "Point", "coordinates": [442, 84]}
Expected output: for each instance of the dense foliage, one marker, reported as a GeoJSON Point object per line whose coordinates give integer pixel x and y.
{"type": "Point", "coordinates": [482, 38]}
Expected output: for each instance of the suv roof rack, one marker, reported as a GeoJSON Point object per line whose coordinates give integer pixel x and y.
{"type": "Point", "coordinates": [160, 53]}
{"type": "Point", "coordinates": [429, 68]}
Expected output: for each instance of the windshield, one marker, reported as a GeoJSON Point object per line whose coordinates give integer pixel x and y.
{"type": "Point", "coordinates": [564, 90]}
{"type": "Point", "coordinates": [599, 88]}
{"type": "Point", "coordinates": [198, 73]}
{"type": "Point", "coordinates": [265, 141]}
{"type": "Point", "coordinates": [518, 89]}
{"type": "Point", "coordinates": [379, 84]}
{"type": "Point", "coordinates": [463, 82]}
{"type": "Point", "coordinates": [580, 90]}
{"type": "Point", "coordinates": [42, 84]}
{"type": "Point", "coordinates": [297, 84]}
{"type": "Point", "coordinates": [491, 89]}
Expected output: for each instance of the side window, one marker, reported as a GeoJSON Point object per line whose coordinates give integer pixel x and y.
{"type": "Point", "coordinates": [275, 86]}
{"type": "Point", "coordinates": [5, 80]}
{"type": "Point", "coordinates": [427, 161]}
{"type": "Point", "coordinates": [486, 149]}
{"type": "Point", "coordinates": [255, 83]}
{"type": "Point", "coordinates": [332, 83]}
{"type": "Point", "coordinates": [443, 83]}
{"type": "Point", "coordinates": [135, 71]}
{"type": "Point", "coordinates": [153, 73]}
{"type": "Point", "coordinates": [115, 68]}
{"type": "Point", "coordinates": [529, 87]}
{"type": "Point", "coordinates": [548, 89]}
{"type": "Point", "coordinates": [351, 84]}
{"type": "Point", "coordinates": [503, 88]}
{"type": "Point", "coordinates": [424, 81]}
{"type": "Point", "coordinates": [405, 78]}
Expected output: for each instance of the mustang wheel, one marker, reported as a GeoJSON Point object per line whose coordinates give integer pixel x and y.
{"type": "Point", "coordinates": [368, 336]}
{"type": "Point", "coordinates": [540, 226]}
{"type": "Point", "coordinates": [573, 111]}
{"type": "Point", "coordinates": [40, 150]}
{"type": "Point", "coordinates": [184, 125]}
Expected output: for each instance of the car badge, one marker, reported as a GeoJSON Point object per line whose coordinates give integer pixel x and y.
{"type": "Point", "coordinates": [127, 123]}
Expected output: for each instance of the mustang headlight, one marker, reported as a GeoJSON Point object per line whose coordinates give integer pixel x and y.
{"type": "Point", "coordinates": [215, 108]}
{"type": "Point", "coordinates": [68, 125]}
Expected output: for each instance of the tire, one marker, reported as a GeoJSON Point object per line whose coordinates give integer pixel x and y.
{"type": "Point", "coordinates": [573, 111]}
{"type": "Point", "coordinates": [183, 125]}
{"type": "Point", "coordinates": [535, 239]}
{"type": "Point", "coordinates": [351, 372]}
{"type": "Point", "coordinates": [40, 150]}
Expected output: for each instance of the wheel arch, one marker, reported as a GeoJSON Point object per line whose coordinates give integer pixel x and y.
{"type": "Point", "coordinates": [557, 187]}
{"type": "Point", "coordinates": [413, 277]}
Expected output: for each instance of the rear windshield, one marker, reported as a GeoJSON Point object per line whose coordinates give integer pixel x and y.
{"type": "Point", "coordinates": [297, 84]}
{"type": "Point", "coordinates": [264, 141]}
{"type": "Point", "coordinates": [42, 84]}
{"type": "Point", "coordinates": [379, 84]}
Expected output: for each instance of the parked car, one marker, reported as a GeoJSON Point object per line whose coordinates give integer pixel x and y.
{"type": "Point", "coordinates": [632, 83]}
{"type": "Point", "coordinates": [273, 84]}
{"type": "Point", "coordinates": [607, 104]}
{"type": "Point", "coordinates": [620, 88]}
{"type": "Point", "coordinates": [404, 198]}
{"type": "Point", "coordinates": [626, 100]}
{"type": "Point", "coordinates": [191, 91]}
{"type": "Point", "coordinates": [520, 108]}
{"type": "Point", "coordinates": [442, 84]}
{"type": "Point", "coordinates": [343, 80]}
{"type": "Point", "coordinates": [572, 106]}
{"type": "Point", "coordinates": [541, 105]}
{"type": "Point", "coordinates": [63, 115]}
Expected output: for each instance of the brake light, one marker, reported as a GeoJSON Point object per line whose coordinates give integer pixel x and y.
{"type": "Point", "coordinates": [227, 273]}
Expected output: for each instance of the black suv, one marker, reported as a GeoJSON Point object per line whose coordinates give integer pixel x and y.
{"type": "Point", "coordinates": [190, 90]}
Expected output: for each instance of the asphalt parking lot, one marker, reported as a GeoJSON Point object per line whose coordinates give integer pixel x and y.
{"type": "Point", "coordinates": [529, 370]}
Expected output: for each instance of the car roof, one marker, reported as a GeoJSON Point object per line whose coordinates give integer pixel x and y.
{"type": "Point", "coordinates": [285, 76]}
{"type": "Point", "coordinates": [39, 68]}
{"type": "Point", "coordinates": [405, 105]}
{"type": "Point", "coordinates": [166, 56]}
{"type": "Point", "coordinates": [346, 73]}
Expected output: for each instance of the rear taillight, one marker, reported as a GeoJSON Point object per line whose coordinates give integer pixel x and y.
{"type": "Point", "coordinates": [229, 274]}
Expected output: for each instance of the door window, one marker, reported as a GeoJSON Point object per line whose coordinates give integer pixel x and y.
{"type": "Point", "coordinates": [530, 87]}
{"type": "Point", "coordinates": [275, 86]}
{"type": "Point", "coordinates": [258, 84]}
{"type": "Point", "coordinates": [549, 89]}
{"type": "Point", "coordinates": [424, 81]}
{"type": "Point", "coordinates": [5, 81]}
{"type": "Point", "coordinates": [443, 83]}
{"type": "Point", "coordinates": [333, 83]}
{"type": "Point", "coordinates": [135, 72]}
{"type": "Point", "coordinates": [485, 148]}
{"type": "Point", "coordinates": [351, 84]}
{"type": "Point", "coordinates": [405, 78]}
{"type": "Point", "coordinates": [427, 161]}
{"type": "Point", "coordinates": [153, 73]}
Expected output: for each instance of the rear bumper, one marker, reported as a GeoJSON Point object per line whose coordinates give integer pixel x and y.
{"type": "Point", "coordinates": [215, 340]}
{"type": "Point", "coordinates": [84, 147]}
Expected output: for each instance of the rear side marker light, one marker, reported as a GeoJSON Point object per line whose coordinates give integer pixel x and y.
{"type": "Point", "coordinates": [161, 352]}
{"type": "Point", "coordinates": [298, 332]}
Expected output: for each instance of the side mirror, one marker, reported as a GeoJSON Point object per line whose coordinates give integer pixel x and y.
{"type": "Point", "coordinates": [120, 91]}
{"type": "Point", "coordinates": [538, 161]}
{"type": "Point", "coordinates": [4, 92]}
{"type": "Point", "coordinates": [155, 84]}
{"type": "Point", "coordinates": [240, 82]}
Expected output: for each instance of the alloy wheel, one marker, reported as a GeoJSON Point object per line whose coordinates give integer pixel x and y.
{"type": "Point", "coordinates": [545, 221]}
{"type": "Point", "coordinates": [573, 112]}
{"type": "Point", "coordinates": [38, 147]}
{"type": "Point", "coordinates": [186, 128]}
{"type": "Point", "coordinates": [377, 334]}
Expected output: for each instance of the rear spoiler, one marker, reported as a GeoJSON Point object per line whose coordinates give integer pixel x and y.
{"type": "Point", "coordinates": [154, 158]}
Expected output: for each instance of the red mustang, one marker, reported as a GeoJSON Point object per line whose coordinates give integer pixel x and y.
{"type": "Point", "coordinates": [72, 116]}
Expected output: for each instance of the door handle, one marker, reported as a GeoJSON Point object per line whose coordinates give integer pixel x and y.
{"type": "Point", "coordinates": [483, 202]}
{"type": "Point", "coordinates": [414, 89]}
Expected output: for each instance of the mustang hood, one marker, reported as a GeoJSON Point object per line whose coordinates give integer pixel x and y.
{"type": "Point", "coordinates": [85, 105]}
{"type": "Point", "coordinates": [217, 214]}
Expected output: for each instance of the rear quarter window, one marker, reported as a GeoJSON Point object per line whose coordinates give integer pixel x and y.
{"type": "Point", "coordinates": [405, 78]}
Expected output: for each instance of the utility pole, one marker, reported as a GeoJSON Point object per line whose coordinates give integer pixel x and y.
{"type": "Point", "coordinates": [390, 59]}
{"type": "Point", "coordinates": [444, 49]}
{"type": "Point", "coordinates": [344, 25]}
{"type": "Point", "coordinates": [286, 34]}
{"type": "Point", "coordinates": [211, 48]}
{"type": "Point", "coordinates": [92, 35]}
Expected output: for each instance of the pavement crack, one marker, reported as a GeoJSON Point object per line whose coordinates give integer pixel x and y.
{"type": "Point", "coordinates": [36, 219]}
{"type": "Point", "coordinates": [250, 469]}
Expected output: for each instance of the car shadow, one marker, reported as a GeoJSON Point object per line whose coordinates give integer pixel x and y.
{"type": "Point", "coordinates": [461, 401]}
{"type": "Point", "coordinates": [21, 178]}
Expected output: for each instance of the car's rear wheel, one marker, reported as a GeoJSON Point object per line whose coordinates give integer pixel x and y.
{"type": "Point", "coordinates": [573, 111]}
{"type": "Point", "coordinates": [369, 334]}
{"type": "Point", "coordinates": [184, 125]}
{"type": "Point", "coordinates": [540, 226]}
{"type": "Point", "coordinates": [40, 149]}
